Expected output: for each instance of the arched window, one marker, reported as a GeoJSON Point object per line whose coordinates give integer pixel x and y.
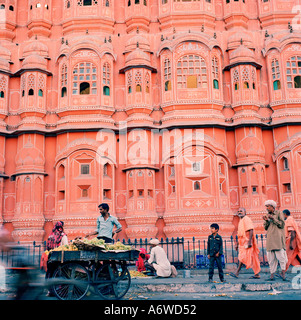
{"type": "Point", "coordinates": [2, 6]}
{"type": "Point", "coordinates": [254, 78]}
{"type": "Point", "coordinates": [215, 73]}
{"type": "Point", "coordinates": [191, 72]}
{"type": "Point", "coordinates": [106, 75]}
{"type": "Point", "coordinates": [129, 3]}
{"type": "Point", "coordinates": [167, 85]}
{"type": "Point", "coordinates": [105, 169]}
{"type": "Point", "coordinates": [106, 3]}
{"type": "Point", "coordinates": [30, 92]}
{"type": "Point", "coordinates": [167, 75]}
{"type": "Point", "coordinates": [64, 92]}
{"type": "Point", "coordinates": [293, 69]}
{"type": "Point", "coordinates": [64, 80]}
{"type": "Point", "coordinates": [147, 83]}
{"type": "Point", "coordinates": [236, 80]}
{"type": "Point", "coordinates": [137, 1]}
{"type": "Point", "coordinates": [276, 74]}
{"type": "Point", "coordinates": [40, 93]}
{"type": "Point", "coordinates": [129, 82]}
{"type": "Point", "coordinates": [164, 1]}
{"type": "Point", "coordinates": [138, 81]}
{"type": "Point", "coordinates": [245, 78]}
{"type": "Point", "coordinates": [215, 84]}
{"type": "Point", "coordinates": [297, 82]}
{"type": "Point", "coordinates": [11, 8]}
{"type": "Point", "coordinates": [285, 164]}
{"type": "Point", "coordinates": [276, 85]}
{"type": "Point", "coordinates": [106, 90]}
{"type": "Point", "coordinates": [84, 88]}
{"type": "Point", "coordinates": [3, 84]}
{"type": "Point", "coordinates": [246, 85]}
{"type": "Point", "coordinates": [196, 185]}
{"type": "Point", "coordinates": [84, 78]}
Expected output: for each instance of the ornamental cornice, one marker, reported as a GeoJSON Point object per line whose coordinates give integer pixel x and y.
{"type": "Point", "coordinates": [207, 42]}
{"type": "Point", "coordinates": [287, 145]}
{"type": "Point", "coordinates": [76, 145]}
{"type": "Point", "coordinates": [205, 141]}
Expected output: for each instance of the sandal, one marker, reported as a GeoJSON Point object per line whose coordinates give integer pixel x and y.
{"type": "Point", "coordinates": [254, 277]}
{"type": "Point", "coordinates": [270, 279]}
{"type": "Point", "coordinates": [233, 275]}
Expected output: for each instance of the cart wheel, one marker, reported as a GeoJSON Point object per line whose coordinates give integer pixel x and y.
{"type": "Point", "coordinates": [73, 281]}
{"type": "Point", "coordinates": [112, 280]}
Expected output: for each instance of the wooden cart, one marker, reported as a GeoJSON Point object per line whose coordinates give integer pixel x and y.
{"type": "Point", "coordinates": [106, 271]}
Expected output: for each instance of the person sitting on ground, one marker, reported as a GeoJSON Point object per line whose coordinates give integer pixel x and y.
{"type": "Point", "coordinates": [158, 261]}
{"type": "Point", "coordinates": [143, 256]}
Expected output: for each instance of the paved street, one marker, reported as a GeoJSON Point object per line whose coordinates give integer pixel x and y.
{"type": "Point", "coordinates": [195, 287]}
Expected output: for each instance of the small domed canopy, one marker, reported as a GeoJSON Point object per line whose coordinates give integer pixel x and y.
{"type": "Point", "coordinates": [5, 56]}
{"type": "Point", "coordinates": [5, 53]}
{"type": "Point", "coordinates": [250, 150]}
{"type": "Point", "coordinates": [142, 42]}
{"type": "Point", "coordinates": [242, 54]}
{"type": "Point", "coordinates": [137, 58]}
{"type": "Point", "coordinates": [30, 159]}
{"type": "Point", "coordinates": [4, 64]}
{"type": "Point", "coordinates": [35, 47]}
{"type": "Point", "coordinates": [34, 61]}
{"type": "Point", "coordinates": [238, 38]}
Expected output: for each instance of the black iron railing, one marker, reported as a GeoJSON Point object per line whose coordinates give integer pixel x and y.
{"type": "Point", "coordinates": [180, 252]}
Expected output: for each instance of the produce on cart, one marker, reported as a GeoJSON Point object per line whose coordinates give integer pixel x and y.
{"type": "Point", "coordinates": [86, 263]}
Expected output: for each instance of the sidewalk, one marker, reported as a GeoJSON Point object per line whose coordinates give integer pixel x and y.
{"type": "Point", "coordinates": [198, 282]}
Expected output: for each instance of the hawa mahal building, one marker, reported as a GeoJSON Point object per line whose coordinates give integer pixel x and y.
{"type": "Point", "coordinates": [174, 112]}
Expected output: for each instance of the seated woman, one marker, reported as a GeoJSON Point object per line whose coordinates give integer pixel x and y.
{"type": "Point", "coordinates": [143, 256]}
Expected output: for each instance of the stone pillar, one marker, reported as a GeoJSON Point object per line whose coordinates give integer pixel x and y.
{"type": "Point", "coordinates": [141, 216]}
{"type": "Point", "coordinates": [28, 221]}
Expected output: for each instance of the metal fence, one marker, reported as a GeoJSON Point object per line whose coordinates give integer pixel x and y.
{"type": "Point", "coordinates": [193, 253]}
{"type": "Point", "coordinates": [180, 252]}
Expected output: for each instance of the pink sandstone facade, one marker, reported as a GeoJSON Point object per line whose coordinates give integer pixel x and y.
{"type": "Point", "coordinates": [174, 112]}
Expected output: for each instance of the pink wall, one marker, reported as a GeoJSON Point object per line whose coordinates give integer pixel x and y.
{"type": "Point", "coordinates": [175, 113]}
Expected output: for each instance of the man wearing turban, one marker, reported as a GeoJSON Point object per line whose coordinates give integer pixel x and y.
{"type": "Point", "coordinates": [275, 243]}
{"type": "Point", "coordinates": [158, 261]}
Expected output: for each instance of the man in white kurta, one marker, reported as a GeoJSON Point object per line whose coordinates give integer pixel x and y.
{"type": "Point", "coordinates": [158, 259]}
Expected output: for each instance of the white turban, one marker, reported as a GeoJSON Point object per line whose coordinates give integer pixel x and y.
{"type": "Point", "coordinates": [154, 242]}
{"type": "Point", "coordinates": [270, 203]}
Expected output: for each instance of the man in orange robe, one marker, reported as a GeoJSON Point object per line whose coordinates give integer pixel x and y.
{"type": "Point", "coordinates": [292, 240]}
{"type": "Point", "coordinates": [247, 246]}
